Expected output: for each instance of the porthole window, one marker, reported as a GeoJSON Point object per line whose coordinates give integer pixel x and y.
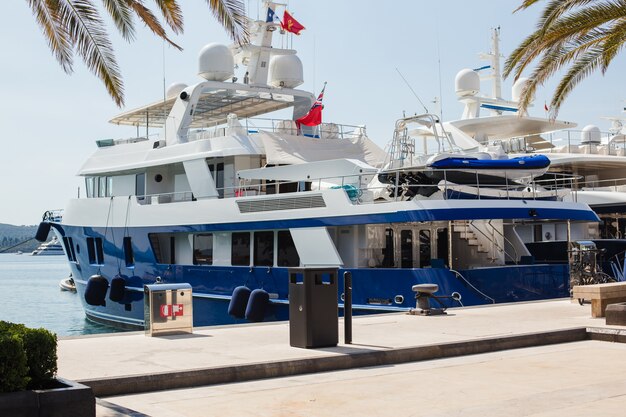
{"type": "Point", "coordinates": [158, 178]}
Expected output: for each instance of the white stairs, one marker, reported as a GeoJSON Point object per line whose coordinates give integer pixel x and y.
{"type": "Point", "coordinates": [480, 241]}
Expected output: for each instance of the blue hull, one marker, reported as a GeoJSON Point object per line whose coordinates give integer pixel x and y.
{"type": "Point", "coordinates": [375, 290]}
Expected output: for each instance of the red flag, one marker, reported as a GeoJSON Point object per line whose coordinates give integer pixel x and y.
{"type": "Point", "coordinates": [290, 24]}
{"type": "Point", "coordinates": [545, 106]}
{"type": "Point", "coordinates": [314, 116]}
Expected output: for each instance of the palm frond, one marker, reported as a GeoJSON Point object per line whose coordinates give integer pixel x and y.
{"type": "Point", "coordinates": [172, 14]}
{"type": "Point", "coordinates": [232, 15]}
{"type": "Point", "coordinates": [54, 31]}
{"type": "Point", "coordinates": [613, 43]}
{"type": "Point", "coordinates": [88, 35]}
{"type": "Point", "coordinates": [122, 17]}
{"type": "Point", "coordinates": [583, 34]}
{"type": "Point", "coordinates": [151, 21]}
{"type": "Point", "coordinates": [583, 66]}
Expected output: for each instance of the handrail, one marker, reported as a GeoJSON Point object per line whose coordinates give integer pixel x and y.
{"type": "Point", "coordinates": [505, 241]}
{"type": "Point", "coordinates": [492, 240]}
{"type": "Point", "coordinates": [458, 274]}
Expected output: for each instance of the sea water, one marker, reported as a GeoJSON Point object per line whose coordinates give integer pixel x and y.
{"type": "Point", "coordinates": [30, 294]}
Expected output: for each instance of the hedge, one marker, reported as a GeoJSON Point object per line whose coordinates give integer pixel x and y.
{"type": "Point", "coordinates": [28, 357]}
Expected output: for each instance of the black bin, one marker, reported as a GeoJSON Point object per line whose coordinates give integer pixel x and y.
{"type": "Point", "coordinates": [313, 307]}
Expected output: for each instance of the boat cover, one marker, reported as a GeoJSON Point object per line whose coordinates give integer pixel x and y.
{"type": "Point", "coordinates": [291, 150]}
{"type": "Point", "coordinates": [522, 162]}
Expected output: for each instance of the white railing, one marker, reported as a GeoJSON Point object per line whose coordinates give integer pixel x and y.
{"type": "Point", "coordinates": [280, 126]}
{"type": "Point", "coordinates": [397, 188]}
{"type": "Point", "coordinates": [566, 141]}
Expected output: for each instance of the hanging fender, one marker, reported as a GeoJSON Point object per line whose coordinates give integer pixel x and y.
{"type": "Point", "coordinates": [257, 305]}
{"type": "Point", "coordinates": [96, 290]}
{"type": "Point", "coordinates": [238, 302]}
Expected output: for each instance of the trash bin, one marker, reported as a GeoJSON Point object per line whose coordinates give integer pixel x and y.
{"type": "Point", "coordinates": [168, 309]}
{"type": "Point", "coordinates": [313, 307]}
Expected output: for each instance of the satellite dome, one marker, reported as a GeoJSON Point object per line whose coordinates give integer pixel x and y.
{"type": "Point", "coordinates": [591, 134]}
{"type": "Point", "coordinates": [467, 83]}
{"type": "Point", "coordinates": [175, 89]}
{"type": "Point", "coordinates": [286, 71]}
{"type": "Point", "coordinates": [216, 62]}
{"type": "Point", "coordinates": [518, 87]}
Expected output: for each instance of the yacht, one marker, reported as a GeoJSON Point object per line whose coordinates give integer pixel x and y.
{"type": "Point", "coordinates": [52, 247]}
{"type": "Point", "coordinates": [229, 196]}
{"type": "Point", "coordinates": [590, 163]}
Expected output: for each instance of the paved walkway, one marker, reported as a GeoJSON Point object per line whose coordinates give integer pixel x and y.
{"type": "Point", "coordinates": [571, 376]}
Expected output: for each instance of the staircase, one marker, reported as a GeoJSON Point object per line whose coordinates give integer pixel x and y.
{"type": "Point", "coordinates": [484, 242]}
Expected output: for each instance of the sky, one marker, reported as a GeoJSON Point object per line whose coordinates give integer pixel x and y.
{"type": "Point", "coordinates": [49, 121]}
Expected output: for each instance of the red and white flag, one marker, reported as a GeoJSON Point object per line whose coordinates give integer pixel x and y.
{"type": "Point", "coordinates": [314, 116]}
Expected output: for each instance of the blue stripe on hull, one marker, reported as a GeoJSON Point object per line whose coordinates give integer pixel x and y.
{"type": "Point", "coordinates": [374, 290]}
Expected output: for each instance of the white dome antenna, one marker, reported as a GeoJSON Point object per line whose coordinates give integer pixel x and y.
{"type": "Point", "coordinates": [216, 62]}
{"type": "Point", "coordinates": [591, 134]}
{"type": "Point", "coordinates": [285, 71]}
{"type": "Point", "coordinates": [467, 83]}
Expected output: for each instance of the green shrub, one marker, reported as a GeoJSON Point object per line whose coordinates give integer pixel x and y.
{"type": "Point", "coordinates": [39, 347]}
{"type": "Point", "coordinates": [13, 367]}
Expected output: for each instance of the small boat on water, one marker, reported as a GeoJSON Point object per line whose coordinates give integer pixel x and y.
{"type": "Point", "coordinates": [67, 284]}
{"type": "Point", "coordinates": [52, 247]}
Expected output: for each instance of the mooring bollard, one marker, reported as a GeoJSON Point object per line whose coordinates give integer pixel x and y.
{"type": "Point", "coordinates": [347, 307]}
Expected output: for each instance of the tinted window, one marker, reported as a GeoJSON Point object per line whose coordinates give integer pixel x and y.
{"type": "Point", "coordinates": [240, 249]}
{"type": "Point", "coordinates": [263, 248]}
{"type": "Point", "coordinates": [287, 253]}
{"type": "Point", "coordinates": [140, 186]}
{"type": "Point", "coordinates": [203, 249]}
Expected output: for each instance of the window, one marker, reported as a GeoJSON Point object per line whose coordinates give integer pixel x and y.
{"type": "Point", "coordinates": [287, 253]}
{"type": "Point", "coordinates": [90, 187]}
{"type": "Point", "coordinates": [388, 251]}
{"type": "Point", "coordinates": [240, 249]}
{"type": "Point", "coordinates": [263, 248]}
{"type": "Point", "coordinates": [109, 191]}
{"type": "Point", "coordinates": [406, 249]}
{"type": "Point", "coordinates": [69, 249]}
{"type": "Point", "coordinates": [129, 256]}
{"type": "Point", "coordinates": [140, 186]}
{"type": "Point", "coordinates": [102, 186]}
{"type": "Point", "coordinates": [424, 248]}
{"type": "Point", "coordinates": [217, 172]}
{"type": "Point", "coordinates": [203, 249]}
{"type": "Point", "coordinates": [95, 250]}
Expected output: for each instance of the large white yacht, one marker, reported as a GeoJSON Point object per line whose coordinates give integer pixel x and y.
{"type": "Point", "coordinates": [222, 199]}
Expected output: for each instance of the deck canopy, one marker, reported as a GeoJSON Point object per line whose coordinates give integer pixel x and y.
{"type": "Point", "coordinates": [510, 126]}
{"type": "Point", "coordinates": [212, 108]}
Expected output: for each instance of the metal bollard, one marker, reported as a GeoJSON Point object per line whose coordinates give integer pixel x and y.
{"type": "Point", "coordinates": [347, 307]}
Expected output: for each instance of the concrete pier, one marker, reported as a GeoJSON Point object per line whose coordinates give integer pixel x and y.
{"type": "Point", "coordinates": [544, 357]}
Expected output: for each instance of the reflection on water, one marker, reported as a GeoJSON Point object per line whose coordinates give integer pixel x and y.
{"type": "Point", "coordinates": [30, 294]}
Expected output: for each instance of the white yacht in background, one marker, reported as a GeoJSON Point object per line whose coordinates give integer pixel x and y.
{"type": "Point", "coordinates": [597, 161]}
{"type": "Point", "coordinates": [222, 200]}
{"type": "Point", "coordinates": [52, 247]}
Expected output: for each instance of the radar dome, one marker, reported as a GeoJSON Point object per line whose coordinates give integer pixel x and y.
{"type": "Point", "coordinates": [286, 71]}
{"type": "Point", "coordinates": [518, 87]}
{"type": "Point", "coordinates": [591, 134]}
{"type": "Point", "coordinates": [216, 62]}
{"type": "Point", "coordinates": [175, 89]}
{"type": "Point", "coordinates": [467, 83]}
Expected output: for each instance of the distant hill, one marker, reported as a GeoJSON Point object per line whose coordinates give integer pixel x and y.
{"type": "Point", "coordinates": [12, 235]}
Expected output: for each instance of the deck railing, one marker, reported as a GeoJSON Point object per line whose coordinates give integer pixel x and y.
{"type": "Point", "coordinates": [397, 188]}
{"type": "Point", "coordinates": [567, 141]}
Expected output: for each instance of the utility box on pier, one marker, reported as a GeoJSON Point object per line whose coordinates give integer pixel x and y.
{"type": "Point", "coordinates": [168, 309]}
{"type": "Point", "coordinates": [313, 307]}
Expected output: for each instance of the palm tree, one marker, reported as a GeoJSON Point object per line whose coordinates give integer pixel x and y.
{"type": "Point", "coordinates": [578, 36]}
{"type": "Point", "coordinates": [75, 26]}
